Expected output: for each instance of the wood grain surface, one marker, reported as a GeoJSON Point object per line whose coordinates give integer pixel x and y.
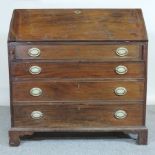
{"type": "Point", "coordinates": [76, 91]}
{"type": "Point", "coordinates": [78, 70]}
{"type": "Point", "coordinates": [78, 78]}
{"type": "Point", "coordinates": [76, 115]}
{"type": "Point", "coordinates": [79, 52]}
{"type": "Point", "coordinates": [67, 25]}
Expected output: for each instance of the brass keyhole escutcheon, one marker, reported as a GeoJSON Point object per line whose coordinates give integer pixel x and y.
{"type": "Point", "coordinates": [77, 12]}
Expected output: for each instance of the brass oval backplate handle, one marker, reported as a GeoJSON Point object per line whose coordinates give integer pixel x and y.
{"type": "Point", "coordinates": [35, 91]}
{"type": "Point", "coordinates": [120, 91]}
{"type": "Point", "coordinates": [34, 52]}
{"type": "Point", "coordinates": [122, 51]}
{"type": "Point", "coordinates": [121, 69]}
{"type": "Point", "coordinates": [35, 70]}
{"type": "Point", "coordinates": [36, 114]}
{"type": "Point", "coordinates": [120, 114]}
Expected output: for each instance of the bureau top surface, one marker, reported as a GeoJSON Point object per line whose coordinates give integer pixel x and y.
{"type": "Point", "coordinates": [77, 25]}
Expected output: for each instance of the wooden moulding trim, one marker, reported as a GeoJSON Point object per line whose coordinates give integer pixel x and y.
{"type": "Point", "coordinates": [105, 129]}
{"type": "Point", "coordinates": [80, 42]}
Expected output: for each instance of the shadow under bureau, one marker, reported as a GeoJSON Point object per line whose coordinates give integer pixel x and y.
{"type": "Point", "coordinates": [77, 70]}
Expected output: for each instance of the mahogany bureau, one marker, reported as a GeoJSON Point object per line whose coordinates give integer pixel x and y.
{"type": "Point", "coordinates": [81, 70]}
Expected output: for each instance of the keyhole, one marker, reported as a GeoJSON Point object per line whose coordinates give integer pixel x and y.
{"type": "Point", "coordinates": [77, 12]}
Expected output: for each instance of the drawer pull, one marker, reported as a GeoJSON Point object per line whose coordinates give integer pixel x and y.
{"type": "Point", "coordinates": [120, 91]}
{"type": "Point", "coordinates": [122, 51]}
{"type": "Point", "coordinates": [35, 91]}
{"type": "Point", "coordinates": [34, 52]}
{"type": "Point", "coordinates": [35, 70]}
{"type": "Point", "coordinates": [36, 114]}
{"type": "Point", "coordinates": [121, 69]}
{"type": "Point", "coordinates": [120, 114]}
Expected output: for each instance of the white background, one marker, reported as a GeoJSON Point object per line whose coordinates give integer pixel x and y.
{"type": "Point", "coordinates": [7, 6]}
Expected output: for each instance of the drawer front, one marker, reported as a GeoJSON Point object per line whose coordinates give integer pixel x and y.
{"type": "Point", "coordinates": [78, 70]}
{"type": "Point", "coordinates": [77, 52]}
{"type": "Point", "coordinates": [75, 91]}
{"type": "Point", "coordinates": [78, 115]}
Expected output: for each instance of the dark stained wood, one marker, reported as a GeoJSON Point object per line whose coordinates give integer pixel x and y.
{"type": "Point", "coordinates": [145, 57]}
{"type": "Point", "coordinates": [142, 137]}
{"type": "Point", "coordinates": [89, 25]}
{"type": "Point", "coordinates": [76, 115]}
{"type": "Point", "coordinates": [78, 59]}
{"type": "Point", "coordinates": [76, 91]}
{"type": "Point", "coordinates": [133, 129]}
{"type": "Point", "coordinates": [17, 133]}
{"type": "Point", "coordinates": [76, 52]}
{"type": "Point", "coordinates": [15, 136]}
{"type": "Point", "coordinates": [78, 70]}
